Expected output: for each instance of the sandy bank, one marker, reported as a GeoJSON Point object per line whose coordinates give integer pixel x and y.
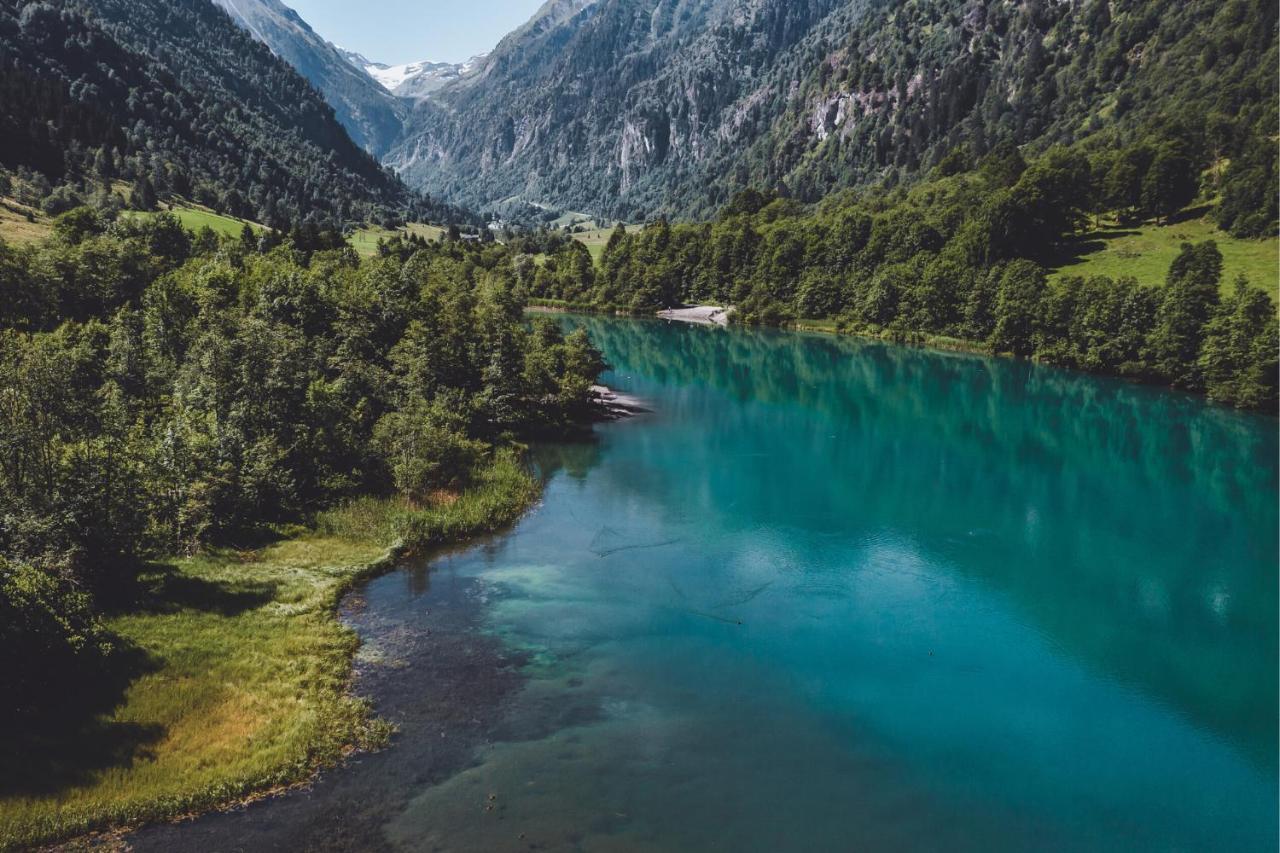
{"type": "Point", "coordinates": [707, 315]}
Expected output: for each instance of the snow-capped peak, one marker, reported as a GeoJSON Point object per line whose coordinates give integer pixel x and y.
{"type": "Point", "coordinates": [413, 79]}
{"type": "Point", "coordinates": [393, 77]}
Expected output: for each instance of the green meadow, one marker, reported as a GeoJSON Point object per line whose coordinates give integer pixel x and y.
{"type": "Point", "coordinates": [596, 239]}
{"type": "Point", "coordinates": [365, 240]}
{"type": "Point", "coordinates": [1146, 252]}
{"type": "Point", "coordinates": [196, 218]}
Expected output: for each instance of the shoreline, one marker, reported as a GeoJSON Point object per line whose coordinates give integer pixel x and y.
{"type": "Point", "coordinates": [701, 315]}
{"type": "Point", "coordinates": [301, 630]}
{"type": "Point", "coordinates": [933, 343]}
{"type": "Point", "coordinates": [436, 733]}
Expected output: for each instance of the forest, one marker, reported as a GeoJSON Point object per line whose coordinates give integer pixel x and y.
{"type": "Point", "coordinates": [162, 391]}
{"type": "Point", "coordinates": [898, 91]}
{"type": "Point", "coordinates": [176, 100]}
{"type": "Point", "coordinates": [962, 258]}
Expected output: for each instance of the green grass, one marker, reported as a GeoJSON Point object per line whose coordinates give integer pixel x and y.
{"type": "Point", "coordinates": [194, 218]}
{"type": "Point", "coordinates": [365, 241]}
{"type": "Point", "coordinates": [237, 681]}
{"type": "Point", "coordinates": [1146, 252]}
{"type": "Point", "coordinates": [538, 303]}
{"type": "Point", "coordinates": [573, 217]}
{"type": "Point", "coordinates": [597, 239]}
{"type": "Point", "coordinates": [16, 229]}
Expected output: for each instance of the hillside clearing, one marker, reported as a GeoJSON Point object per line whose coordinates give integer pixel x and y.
{"type": "Point", "coordinates": [15, 228]}
{"type": "Point", "coordinates": [595, 240]}
{"type": "Point", "coordinates": [194, 218]}
{"type": "Point", "coordinates": [365, 240]}
{"type": "Point", "coordinates": [1146, 252]}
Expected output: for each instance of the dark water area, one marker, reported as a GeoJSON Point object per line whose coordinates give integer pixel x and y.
{"type": "Point", "coordinates": [832, 595]}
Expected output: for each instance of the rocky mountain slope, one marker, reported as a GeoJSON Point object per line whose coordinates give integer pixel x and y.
{"type": "Point", "coordinates": [633, 108]}
{"type": "Point", "coordinates": [603, 106]}
{"type": "Point", "coordinates": [372, 115]}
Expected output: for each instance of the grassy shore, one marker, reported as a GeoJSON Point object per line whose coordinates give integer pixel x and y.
{"type": "Point", "coordinates": [235, 672]}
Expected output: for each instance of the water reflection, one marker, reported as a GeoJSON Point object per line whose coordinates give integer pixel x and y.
{"type": "Point", "coordinates": [1135, 527]}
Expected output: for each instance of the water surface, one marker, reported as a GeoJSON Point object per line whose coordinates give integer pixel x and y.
{"type": "Point", "coordinates": [835, 595]}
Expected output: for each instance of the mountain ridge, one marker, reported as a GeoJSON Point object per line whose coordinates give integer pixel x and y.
{"type": "Point", "coordinates": [412, 80]}
{"type": "Point", "coordinates": [182, 101]}
{"type": "Point", "coordinates": [373, 116]}
{"type": "Point", "coordinates": [638, 108]}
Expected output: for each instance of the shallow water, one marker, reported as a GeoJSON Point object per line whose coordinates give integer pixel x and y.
{"type": "Point", "coordinates": [834, 595]}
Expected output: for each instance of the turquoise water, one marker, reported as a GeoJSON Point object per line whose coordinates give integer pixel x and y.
{"type": "Point", "coordinates": [833, 595]}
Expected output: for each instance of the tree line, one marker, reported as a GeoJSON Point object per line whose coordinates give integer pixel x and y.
{"type": "Point", "coordinates": [964, 256]}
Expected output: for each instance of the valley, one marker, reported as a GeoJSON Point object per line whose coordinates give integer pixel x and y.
{"type": "Point", "coordinates": [444, 454]}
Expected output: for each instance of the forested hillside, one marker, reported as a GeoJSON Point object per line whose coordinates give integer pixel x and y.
{"type": "Point", "coordinates": [633, 109]}
{"type": "Point", "coordinates": [174, 98]}
{"type": "Point", "coordinates": [372, 115]}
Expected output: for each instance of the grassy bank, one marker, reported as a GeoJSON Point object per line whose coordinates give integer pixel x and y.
{"type": "Point", "coordinates": [577, 307]}
{"type": "Point", "coordinates": [234, 672]}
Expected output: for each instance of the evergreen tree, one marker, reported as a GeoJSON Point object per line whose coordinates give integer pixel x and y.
{"type": "Point", "coordinates": [1170, 184]}
{"type": "Point", "coordinates": [1238, 361]}
{"type": "Point", "coordinates": [1190, 298]}
{"type": "Point", "coordinates": [143, 195]}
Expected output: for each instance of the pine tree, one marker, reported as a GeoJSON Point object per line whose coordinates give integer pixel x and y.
{"type": "Point", "coordinates": [143, 195]}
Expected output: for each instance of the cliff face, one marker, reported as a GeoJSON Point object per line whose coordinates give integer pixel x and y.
{"type": "Point", "coordinates": [608, 106]}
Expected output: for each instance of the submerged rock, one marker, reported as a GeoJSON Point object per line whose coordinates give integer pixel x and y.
{"type": "Point", "coordinates": [614, 406]}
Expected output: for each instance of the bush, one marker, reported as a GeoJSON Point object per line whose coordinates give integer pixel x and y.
{"type": "Point", "coordinates": [61, 200]}
{"type": "Point", "coordinates": [49, 637]}
{"type": "Point", "coordinates": [425, 450]}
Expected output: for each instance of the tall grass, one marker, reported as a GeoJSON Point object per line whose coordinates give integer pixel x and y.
{"type": "Point", "coordinates": [501, 493]}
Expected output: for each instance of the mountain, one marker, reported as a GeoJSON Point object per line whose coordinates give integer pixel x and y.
{"type": "Point", "coordinates": [607, 106]}
{"type": "Point", "coordinates": [634, 108]}
{"type": "Point", "coordinates": [176, 96]}
{"type": "Point", "coordinates": [371, 114]}
{"type": "Point", "coordinates": [414, 80]}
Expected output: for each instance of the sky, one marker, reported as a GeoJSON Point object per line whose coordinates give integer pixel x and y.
{"type": "Point", "coordinates": [399, 31]}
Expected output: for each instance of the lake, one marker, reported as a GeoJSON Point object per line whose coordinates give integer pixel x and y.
{"type": "Point", "coordinates": [833, 595]}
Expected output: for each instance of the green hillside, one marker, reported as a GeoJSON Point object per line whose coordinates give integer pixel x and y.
{"type": "Point", "coordinates": [1145, 252]}
{"type": "Point", "coordinates": [365, 240]}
